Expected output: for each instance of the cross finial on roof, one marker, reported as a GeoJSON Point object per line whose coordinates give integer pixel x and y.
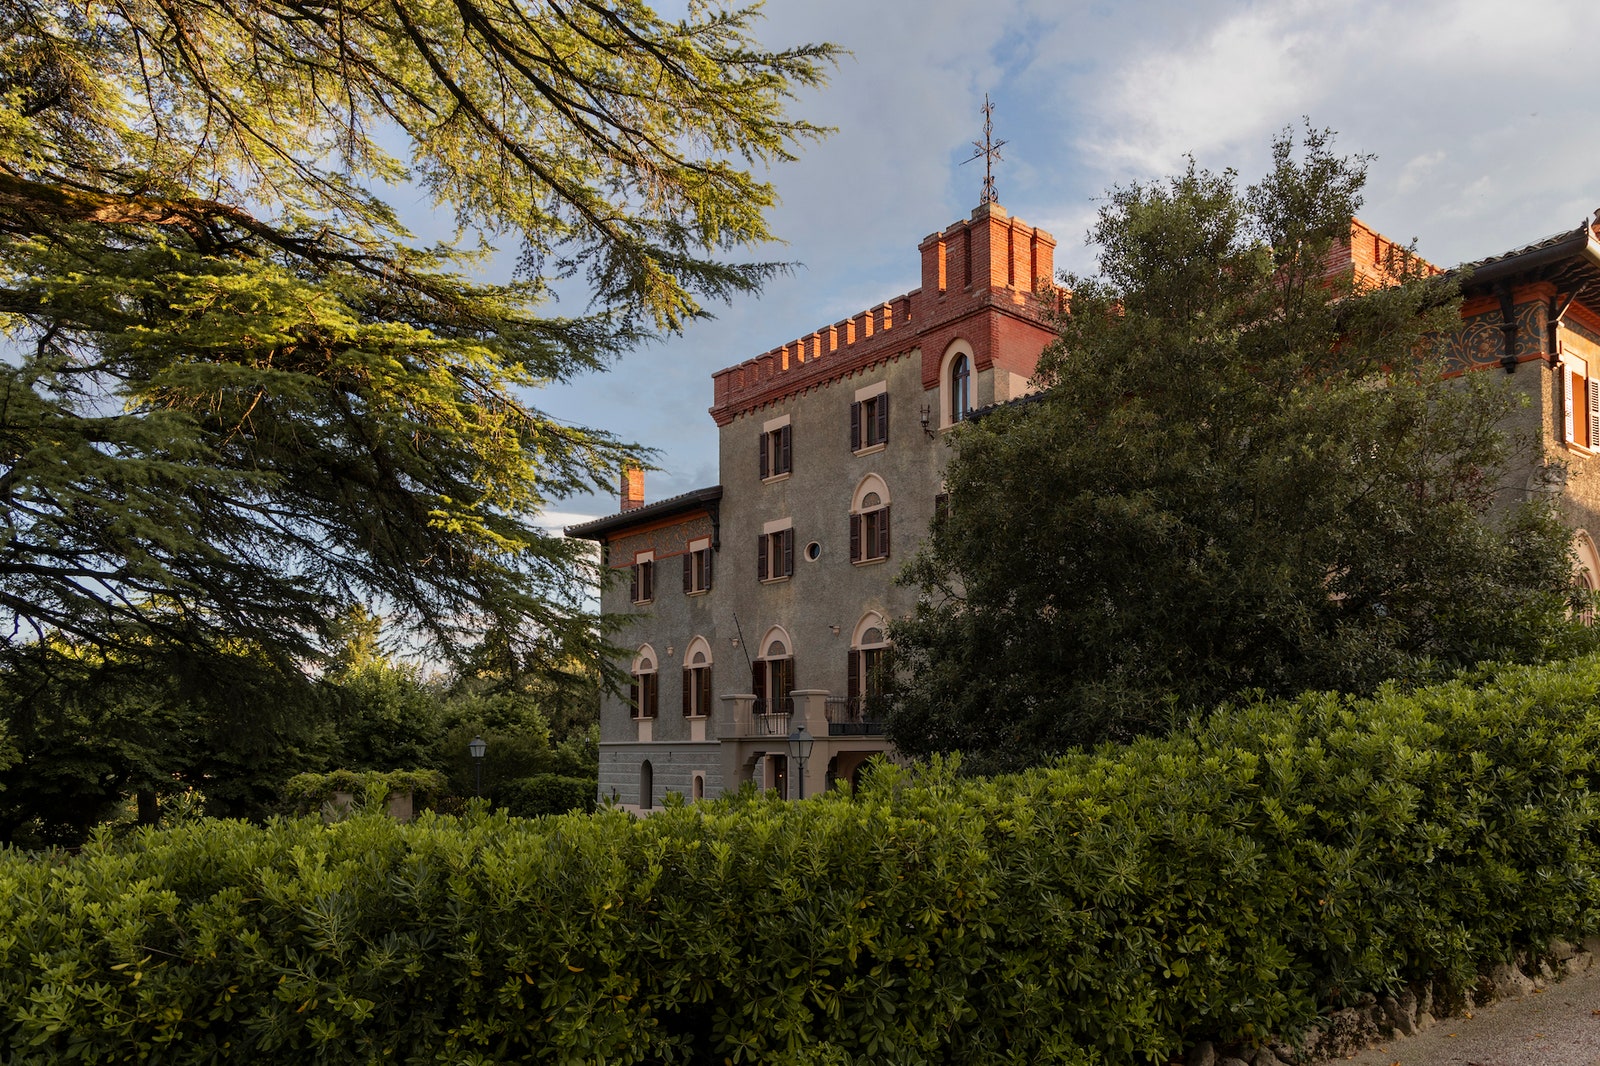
{"type": "Point", "coordinates": [987, 150]}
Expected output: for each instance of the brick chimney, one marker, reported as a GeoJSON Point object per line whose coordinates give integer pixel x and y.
{"type": "Point", "coordinates": [632, 488]}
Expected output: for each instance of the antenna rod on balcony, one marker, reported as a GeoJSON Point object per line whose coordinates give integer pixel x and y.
{"type": "Point", "coordinates": [742, 645]}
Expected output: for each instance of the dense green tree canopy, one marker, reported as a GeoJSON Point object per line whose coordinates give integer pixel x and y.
{"type": "Point", "coordinates": [237, 396]}
{"type": "Point", "coordinates": [1243, 474]}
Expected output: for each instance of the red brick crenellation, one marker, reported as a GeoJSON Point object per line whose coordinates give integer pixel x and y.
{"type": "Point", "coordinates": [987, 266]}
{"type": "Point", "coordinates": [1369, 257]}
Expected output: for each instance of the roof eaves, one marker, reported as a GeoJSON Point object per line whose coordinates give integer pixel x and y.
{"type": "Point", "coordinates": [693, 500]}
{"type": "Point", "coordinates": [1540, 253]}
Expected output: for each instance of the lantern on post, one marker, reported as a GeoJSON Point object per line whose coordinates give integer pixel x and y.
{"type": "Point", "coordinates": [476, 749]}
{"type": "Point", "coordinates": [800, 743]}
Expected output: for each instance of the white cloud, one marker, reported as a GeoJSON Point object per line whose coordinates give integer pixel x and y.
{"type": "Point", "coordinates": [1239, 79]}
{"type": "Point", "coordinates": [1417, 169]}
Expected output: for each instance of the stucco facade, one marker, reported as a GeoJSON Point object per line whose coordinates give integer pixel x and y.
{"type": "Point", "coordinates": [831, 453]}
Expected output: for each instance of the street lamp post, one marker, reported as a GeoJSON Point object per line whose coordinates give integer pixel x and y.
{"type": "Point", "coordinates": [476, 749]}
{"type": "Point", "coordinates": [800, 750]}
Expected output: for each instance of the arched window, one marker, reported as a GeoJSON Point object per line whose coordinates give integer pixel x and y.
{"type": "Point", "coordinates": [960, 388]}
{"type": "Point", "coordinates": [865, 675]}
{"type": "Point", "coordinates": [1586, 579]}
{"type": "Point", "coordinates": [772, 675]}
{"type": "Point", "coordinates": [647, 785]}
{"type": "Point", "coordinates": [869, 521]}
{"type": "Point", "coordinates": [644, 690]}
{"type": "Point", "coordinates": [697, 679]}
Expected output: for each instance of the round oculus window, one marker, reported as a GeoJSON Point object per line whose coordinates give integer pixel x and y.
{"type": "Point", "coordinates": [813, 551]}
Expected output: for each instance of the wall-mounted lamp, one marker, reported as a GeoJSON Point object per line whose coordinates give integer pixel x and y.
{"type": "Point", "coordinates": [669, 651]}
{"type": "Point", "coordinates": [835, 630]}
{"type": "Point", "coordinates": [927, 418]}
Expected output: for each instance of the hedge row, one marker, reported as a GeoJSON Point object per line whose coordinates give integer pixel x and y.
{"type": "Point", "coordinates": [1275, 862]}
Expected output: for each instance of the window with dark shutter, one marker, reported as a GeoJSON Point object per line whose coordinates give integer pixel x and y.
{"type": "Point", "coordinates": [705, 689]}
{"type": "Point", "coordinates": [643, 585]}
{"type": "Point", "coordinates": [853, 679]}
{"type": "Point", "coordinates": [775, 555]}
{"type": "Point", "coordinates": [697, 569]}
{"type": "Point", "coordinates": [688, 693]}
{"type": "Point", "coordinates": [787, 680]}
{"type": "Point", "coordinates": [633, 697]}
{"type": "Point", "coordinates": [855, 538]}
{"type": "Point", "coordinates": [883, 532]}
{"type": "Point", "coordinates": [777, 451]}
{"type": "Point", "coordinates": [869, 422]}
{"type": "Point", "coordinates": [633, 584]}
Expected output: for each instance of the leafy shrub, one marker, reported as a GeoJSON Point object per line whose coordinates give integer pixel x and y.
{"type": "Point", "coordinates": [529, 797]}
{"type": "Point", "coordinates": [1279, 859]}
{"type": "Point", "coordinates": [307, 793]}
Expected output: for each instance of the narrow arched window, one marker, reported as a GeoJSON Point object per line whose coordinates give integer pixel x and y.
{"type": "Point", "coordinates": [697, 679]}
{"type": "Point", "coordinates": [644, 689]}
{"type": "Point", "coordinates": [869, 521]}
{"type": "Point", "coordinates": [772, 678]}
{"type": "Point", "coordinates": [960, 388]}
{"type": "Point", "coordinates": [865, 679]}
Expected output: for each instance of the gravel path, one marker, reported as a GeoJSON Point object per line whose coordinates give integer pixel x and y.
{"type": "Point", "coordinates": [1559, 1026]}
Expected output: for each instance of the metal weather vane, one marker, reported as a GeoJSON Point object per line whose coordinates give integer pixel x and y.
{"type": "Point", "coordinates": [987, 150]}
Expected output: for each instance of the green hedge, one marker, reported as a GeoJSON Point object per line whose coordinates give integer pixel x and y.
{"type": "Point", "coordinates": [530, 797]}
{"type": "Point", "coordinates": [1278, 861]}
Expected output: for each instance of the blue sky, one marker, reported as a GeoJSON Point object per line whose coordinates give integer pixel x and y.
{"type": "Point", "coordinates": [1478, 113]}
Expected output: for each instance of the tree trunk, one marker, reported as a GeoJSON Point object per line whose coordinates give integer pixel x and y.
{"type": "Point", "coordinates": [149, 806]}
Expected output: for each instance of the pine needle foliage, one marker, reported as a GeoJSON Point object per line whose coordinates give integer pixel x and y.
{"type": "Point", "coordinates": [238, 395]}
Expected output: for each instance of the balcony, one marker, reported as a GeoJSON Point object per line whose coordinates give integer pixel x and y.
{"type": "Point", "coordinates": [763, 718]}
{"type": "Point", "coordinates": [855, 717]}
{"type": "Point", "coordinates": [749, 718]}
